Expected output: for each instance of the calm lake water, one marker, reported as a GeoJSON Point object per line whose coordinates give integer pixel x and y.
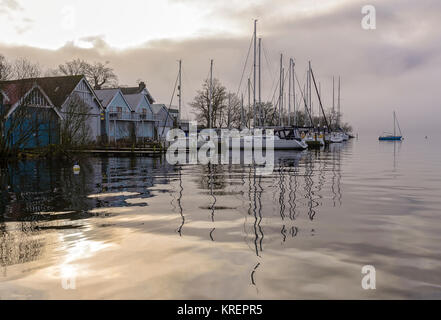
{"type": "Point", "coordinates": [139, 228]}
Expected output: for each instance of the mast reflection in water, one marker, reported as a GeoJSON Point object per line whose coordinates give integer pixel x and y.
{"type": "Point", "coordinates": [141, 228]}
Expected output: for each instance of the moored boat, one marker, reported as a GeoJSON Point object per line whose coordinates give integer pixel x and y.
{"type": "Point", "coordinates": [314, 139]}
{"type": "Point", "coordinates": [285, 138]}
{"type": "Point", "coordinates": [336, 137]}
{"type": "Point", "coordinates": [392, 136]}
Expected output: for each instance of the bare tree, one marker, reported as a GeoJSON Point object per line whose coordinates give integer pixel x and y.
{"type": "Point", "coordinates": [270, 114]}
{"type": "Point", "coordinates": [75, 130]}
{"type": "Point", "coordinates": [100, 75]}
{"type": "Point", "coordinates": [23, 69]}
{"type": "Point", "coordinates": [5, 68]}
{"type": "Point", "coordinates": [231, 114]}
{"type": "Point", "coordinates": [346, 127]}
{"type": "Point", "coordinates": [201, 101]}
{"type": "Point", "coordinates": [74, 67]}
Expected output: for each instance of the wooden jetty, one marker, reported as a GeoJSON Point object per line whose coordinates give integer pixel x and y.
{"type": "Point", "coordinates": [151, 151]}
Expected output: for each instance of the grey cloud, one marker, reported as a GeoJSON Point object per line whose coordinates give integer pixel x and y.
{"type": "Point", "coordinates": [9, 8]}
{"type": "Point", "coordinates": [10, 4]}
{"type": "Point", "coordinates": [396, 66]}
{"type": "Point", "coordinates": [97, 42]}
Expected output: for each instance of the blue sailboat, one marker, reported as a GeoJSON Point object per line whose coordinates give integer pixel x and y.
{"type": "Point", "coordinates": [392, 137]}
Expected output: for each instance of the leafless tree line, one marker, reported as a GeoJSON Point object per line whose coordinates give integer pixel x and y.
{"type": "Point", "coordinates": [228, 110]}
{"type": "Point", "coordinates": [20, 68]}
{"type": "Point", "coordinates": [98, 74]}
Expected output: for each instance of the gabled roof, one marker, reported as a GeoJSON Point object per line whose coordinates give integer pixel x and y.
{"type": "Point", "coordinates": [156, 108]}
{"type": "Point", "coordinates": [134, 99]}
{"type": "Point", "coordinates": [130, 90]}
{"type": "Point", "coordinates": [135, 90]}
{"type": "Point", "coordinates": [106, 96]}
{"type": "Point", "coordinates": [16, 91]}
{"type": "Point", "coordinates": [5, 96]}
{"type": "Point", "coordinates": [58, 89]}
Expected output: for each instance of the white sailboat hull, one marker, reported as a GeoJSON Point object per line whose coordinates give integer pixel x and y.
{"type": "Point", "coordinates": [345, 137]}
{"type": "Point", "coordinates": [336, 137]}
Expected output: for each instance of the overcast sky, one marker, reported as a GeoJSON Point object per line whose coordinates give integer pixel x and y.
{"type": "Point", "coordinates": [396, 66]}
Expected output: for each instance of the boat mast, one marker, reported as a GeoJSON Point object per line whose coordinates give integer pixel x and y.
{"type": "Point", "coordinates": [308, 98]}
{"type": "Point", "coordinates": [210, 95]}
{"type": "Point", "coordinates": [260, 84]}
{"type": "Point", "coordinates": [310, 95]}
{"type": "Point", "coordinates": [294, 92]}
{"type": "Point", "coordinates": [229, 111]}
{"type": "Point", "coordinates": [333, 99]}
{"type": "Point", "coordinates": [320, 101]}
{"type": "Point", "coordinates": [338, 122]}
{"type": "Point", "coordinates": [180, 91]}
{"type": "Point", "coordinates": [320, 94]}
{"type": "Point", "coordinates": [249, 103]}
{"type": "Point", "coordinates": [254, 75]}
{"type": "Point", "coordinates": [241, 112]}
{"type": "Point", "coordinates": [305, 99]}
{"type": "Point", "coordinates": [394, 126]}
{"type": "Point", "coordinates": [289, 92]}
{"type": "Point", "coordinates": [280, 91]}
{"type": "Point", "coordinates": [283, 96]}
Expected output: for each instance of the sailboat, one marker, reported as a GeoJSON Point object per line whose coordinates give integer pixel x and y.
{"type": "Point", "coordinates": [338, 135]}
{"type": "Point", "coordinates": [392, 137]}
{"type": "Point", "coordinates": [314, 138]}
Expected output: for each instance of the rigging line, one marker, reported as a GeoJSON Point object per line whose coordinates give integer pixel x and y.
{"type": "Point", "coordinates": [276, 103]}
{"type": "Point", "coordinates": [171, 101]}
{"type": "Point", "coordinates": [320, 100]}
{"type": "Point", "coordinates": [278, 99]}
{"type": "Point", "coordinates": [250, 73]}
{"type": "Point", "coordinates": [186, 80]}
{"type": "Point", "coordinates": [274, 93]}
{"type": "Point", "coordinates": [273, 86]}
{"type": "Point", "coordinates": [208, 74]}
{"type": "Point", "coordinates": [303, 96]}
{"type": "Point", "coordinates": [275, 89]}
{"type": "Point", "coordinates": [398, 124]}
{"type": "Point", "coordinates": [267, 60]}
{"type": "Point", "coordinates": [270, 70]}
{"type": "Point", "coordinates": [245, 65]}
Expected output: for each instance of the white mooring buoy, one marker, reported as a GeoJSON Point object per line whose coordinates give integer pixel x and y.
{"type": "Point", "coordinates": [76, 169]}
